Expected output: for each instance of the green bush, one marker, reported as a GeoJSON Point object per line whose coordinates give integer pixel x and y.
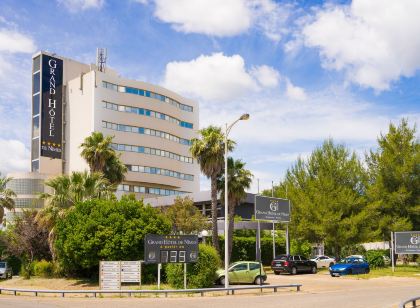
{"type": "Point", "coordinates": [105, 230]}
{"type": "Point", "coordinates": [299, 247]}
{"type": "Point", "coordinates": [355, 249]}
{"type": "Point", "coordinates": [43, 269]}
{"type": "Point", "coordinates": [201, 274]}
{"type": "Point", "coordinates": [375, 258]}
{"type": "Point", "coordinates": [27, 270]}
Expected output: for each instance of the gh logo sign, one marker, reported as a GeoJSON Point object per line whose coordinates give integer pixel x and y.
{"type": "Point", "coordinates": [415, 240]}
{"type": "Point", "coordinates": [274, 206]}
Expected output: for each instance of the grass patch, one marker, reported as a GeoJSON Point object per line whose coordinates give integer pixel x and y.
{"type": "Point", "coordinates": [400, 271]}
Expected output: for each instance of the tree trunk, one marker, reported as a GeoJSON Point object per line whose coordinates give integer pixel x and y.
{"type": "Point", "coordinates": [215, 235]}
{"type": "Point", "coordinates": [231, 227]}
{"type": "Point", "coordinates": [51, 236]}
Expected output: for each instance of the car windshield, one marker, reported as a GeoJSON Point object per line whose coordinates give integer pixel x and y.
{"type": "Point", "coordinates": [2, 264]}
{"type": "Point", "coordinates": [284, 257]}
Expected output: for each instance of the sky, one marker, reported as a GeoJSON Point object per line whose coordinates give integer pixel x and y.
{"type": "Point", "coordinates": [305, 71]}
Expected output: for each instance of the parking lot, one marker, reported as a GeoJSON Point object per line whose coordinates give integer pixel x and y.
{"type": "Point", "coordinates": [320, 290]}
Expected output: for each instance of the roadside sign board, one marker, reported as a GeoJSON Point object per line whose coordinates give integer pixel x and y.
{"type": "Point", "coordinates": [170, 248]}
{"type": "Point", "coordinates": [407, 242]}
{"type": "Point", "coordinates": [274, 209]}
{"type": "Point", "coordinates": [113, 273]}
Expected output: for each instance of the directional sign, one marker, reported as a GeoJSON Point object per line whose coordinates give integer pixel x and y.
{"type": "Point", "coordinates": [407, 242]}
{"type": "Point", "coordinates": [269, 208]}
{"type": "Point", "coordinates": [130, 271]}
{"type": "Point", "coordinates": [110, 275]}
{"type": "Point", "coordinates": [171, 248]}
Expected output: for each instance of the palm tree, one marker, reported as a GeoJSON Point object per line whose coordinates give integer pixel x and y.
{"type": "Point", "coordinates": [208, 149]}
{"type": "Point", "coordinates": [239, 179]}
{"type": "Point", "coordinates": [96, 149]}
{"type": "Point", "coordinates": [67, 191]}
{"type": "Point", "coordinates": [6, 197]}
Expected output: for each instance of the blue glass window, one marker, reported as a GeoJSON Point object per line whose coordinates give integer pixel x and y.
{"type": "Point", "coordinates": [36, 83]}
{"type": "Point", "coordinates": [147, 93]}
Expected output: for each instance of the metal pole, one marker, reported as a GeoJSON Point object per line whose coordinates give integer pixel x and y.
{"type": "Point", "coordinates": [392, 251]}
{"type": "Point", "coordinates": [159, 265]}
{"type": "Point", "coordinates": [185, 276]}
{"type": "Point", "coordinates": [287, 240]}
{"type": "Point", "coordinates": [226, 211]}
{"type": "Point", "coordinates": [274, 228]}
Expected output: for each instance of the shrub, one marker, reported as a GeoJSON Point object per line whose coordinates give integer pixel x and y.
{"type": "Point", "coordinates": [375, 258]}
{"type": "Point", "coordinates": [300, 247]}
{"type": "Point", "coordinates": [27, 269]}
{"type": "Point", "coordinates": [354, 249]}
{"type": "Point", "coordinates": [201, 274]}
{"type": "Point", "coordinates": [43, 269]}
{"type": "Point", "coordinates": [105, 230]}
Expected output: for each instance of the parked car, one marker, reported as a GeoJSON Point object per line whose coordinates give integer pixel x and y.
{"type": "Point", "coordinates": [5, 270]}
{"type": "Point", "coordinates": [349, 266]}
{"type": "Point", "coordinates": [323, 261]}
{"type": "Point", "coordinates": [293, 265]}
{"type": "Point", "coordinates": [243, 272]}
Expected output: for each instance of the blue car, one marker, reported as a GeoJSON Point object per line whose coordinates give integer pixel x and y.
{"type": "Point", "coordinates": [349, 266]}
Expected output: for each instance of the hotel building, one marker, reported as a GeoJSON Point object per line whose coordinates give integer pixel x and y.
{"type": "Point", "coordinates": [152, 126]}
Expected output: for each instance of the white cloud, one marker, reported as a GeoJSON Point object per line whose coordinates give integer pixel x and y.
{"type": "Point", "coordinates": [374, 42]}
{"type": "Point", "coordinates": [218, 77]}
{"type": "Point", "coordinates": [222, 18]}
{"type": "Point", "coordinates": [13, 41]}
{"type": "Point", "coordinates": [81, 5]}
{"type": "Point", "coordinates": [266, 76]}
{"type": "Point", "coordinates": [294, 92]}
{"type": "Point", "coordinates": [14, 156]}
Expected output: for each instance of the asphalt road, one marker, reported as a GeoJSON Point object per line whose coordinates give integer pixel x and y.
{"type": "Point", "coordinates": [318, 291]}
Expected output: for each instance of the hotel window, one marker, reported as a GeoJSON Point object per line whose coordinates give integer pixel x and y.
{"type": "Point", "coordinates": [35, 127]}
{"type": "Point", "coordinates": [35, 104]}
{"type": "Point", "coordinates": [36, 64]}
{"type": "Point", "coordinates": [35, 148]}
{"type": "Point", "coordinates": [36, 84]}
{"type": "Point", "coordinates": [35, 166]}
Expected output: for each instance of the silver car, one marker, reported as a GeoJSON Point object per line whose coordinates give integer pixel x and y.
{"type": "Point", "coordinates": [5, 271]}
{"type": "Point", "coordinates": [323, 261]}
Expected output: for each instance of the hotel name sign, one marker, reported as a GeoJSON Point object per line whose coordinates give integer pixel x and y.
{"type": "Point", "coordinates": [51, 107]}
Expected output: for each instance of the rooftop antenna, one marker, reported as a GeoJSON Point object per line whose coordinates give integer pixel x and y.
{"type": "Point", "coordinates": [101, 56]}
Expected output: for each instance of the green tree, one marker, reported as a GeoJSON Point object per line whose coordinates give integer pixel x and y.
{"type": "Point", "coordinates": [185, 217]}
{"type": "Point", "coordinates": [101, 157]}
{"type": "Point", "coordinates": [6, 197]}
{"type": "Point", "coordinates": [394, 177]}
{"type": "Point", "coordinates": [209, 149]}
{"type": "Point", "coordinates": [239, 179]}
{"type": "Point", "coordinates": [327, 192]}
{"type": "Point", "coordinates": [106, 230]}
{"type": "Point", "coordinates": [67, 190]}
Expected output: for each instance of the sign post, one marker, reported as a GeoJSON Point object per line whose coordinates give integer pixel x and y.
{"type": "Point", "coordinates": [185, 276]}
{"type": "Point", "coordinates": [392, 251]}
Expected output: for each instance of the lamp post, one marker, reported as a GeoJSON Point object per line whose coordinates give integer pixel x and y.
{"type": "Point", "coordinates": [245, 116]}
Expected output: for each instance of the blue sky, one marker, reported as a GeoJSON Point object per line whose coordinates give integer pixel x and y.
{"type": "Point", "coordinates": [304, 70]}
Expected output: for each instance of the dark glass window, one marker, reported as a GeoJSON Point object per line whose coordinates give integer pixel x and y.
{"type": "Point", "coordinates": [37, 64]}
{"type": "Point", "coordinates": [36, 83]}
{"type": "Point", "coordinates": [240, 267]}
{"type": "Point", "coordinates": [35, 105]}
{"type": "Point", "coordinates": [35, 127]}
{"type": "Point", "coordinates": [35, 166]}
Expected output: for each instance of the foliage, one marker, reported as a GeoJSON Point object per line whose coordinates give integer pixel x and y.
{"type": "Point", "coordinates": [101, 157]}
{"type": "Point", "coordinates": [353, 249]}
{"type": "Point", "coordinates": [394, 175]}
{"type": "Point", "coordinates": [244, 248]}
{"type": "Point", "coordinates": [375, 258]}
{"type": "Point", "coordinates": [327, 192]}
{"type": "Point", "coordinates": [27, 240]}
{"type": "Point", "coordinates": [43, 269]}
{"type": "Point", "coordinates": [209, 149]}
{"type": "Point", "coordinates": [239, 179]}
{"type": "Point", "coordinates": [185, 217]}
{"type": "Point", "coordinates": [300, 247]}
{"type": "Point", "coordinates": [105, 230]}
{"type": "Point", "coordinates": [201, 274]}
{"type": "Point", "coordinates": [6, 197]}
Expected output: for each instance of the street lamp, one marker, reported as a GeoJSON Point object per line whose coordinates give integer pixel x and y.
{"type": "Point", "coordinates": [245, 116]}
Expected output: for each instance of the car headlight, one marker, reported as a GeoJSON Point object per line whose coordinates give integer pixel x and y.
{"type": "Point", "coordinates": [330, 268]}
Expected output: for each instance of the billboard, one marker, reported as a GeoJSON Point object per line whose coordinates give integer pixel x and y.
{"type": "Point", "coordinates": [51, 107]}
{"type": "Point", "coordinates": [407, 242]}
{"type": "Point", "coordinates": [269, 208]}
{"type": "Point", "coordinates": [170, 248]}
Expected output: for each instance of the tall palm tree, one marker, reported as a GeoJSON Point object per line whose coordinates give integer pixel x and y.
{"type": "Point", "coordinates": [6, 197]}
{"type": "Point", "coordinates": [67, 191]}
{"type": "Point", "coordinates": [96, 149]}
{"type": "Point", "coordinates": [208, 149]}
{"type": "Point", "coordinates": [239, 179]}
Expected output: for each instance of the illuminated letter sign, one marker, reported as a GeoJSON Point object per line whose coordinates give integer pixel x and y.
{"type": "Point", "coordinates": [52, 105]}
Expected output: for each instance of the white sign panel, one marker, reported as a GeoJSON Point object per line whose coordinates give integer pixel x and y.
{"type": "Point", "coordinates": [113, 273]}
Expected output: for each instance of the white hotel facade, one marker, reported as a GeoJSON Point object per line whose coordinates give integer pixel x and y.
{"type": "Point", "coordinates": [152, 127]}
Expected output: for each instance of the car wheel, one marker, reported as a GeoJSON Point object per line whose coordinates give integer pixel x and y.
{"type": "Point", "coordinates": [258, 280]}
{"type": "Point", "coordinates": [367, 270]}
{"type": "Point", "coordinates": [276, 273]}
{"type": "Point", "coordinates": [222, 280]}
{"type": "Point", "coordinates": [294, 271]}
{"type": "Point", "coordinates": [313, 270]}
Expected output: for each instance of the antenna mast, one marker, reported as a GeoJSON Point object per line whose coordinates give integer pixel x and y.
{"type": "Point", "coordinates": [101, 55]}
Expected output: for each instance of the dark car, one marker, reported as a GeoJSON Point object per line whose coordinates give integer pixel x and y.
{"type": "Point", "coordinates": [348, 266]}
{"type": "Point", "coordinates": [293, 265]}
